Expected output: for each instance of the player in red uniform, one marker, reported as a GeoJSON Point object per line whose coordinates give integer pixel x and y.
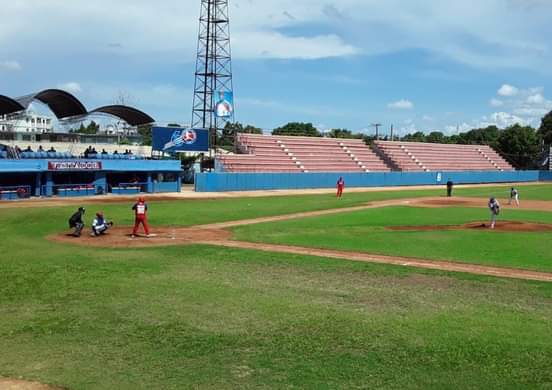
{"type": "Point", "coordinates": [140, 212]}
{"type": "Point", "coordinates": [340, 187]}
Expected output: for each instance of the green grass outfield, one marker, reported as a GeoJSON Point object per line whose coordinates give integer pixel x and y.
{"type": "Point", "coordinates": [212, 318]}
{"type": "Point", "coordinates": [365, 231]}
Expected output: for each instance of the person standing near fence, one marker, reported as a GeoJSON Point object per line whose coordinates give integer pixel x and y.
{"type": "Point", "coordinates": [340, 186]}
{"type": "Point", "coordinates": [450, 185]}
{"type": "Point", "coordinates": [140, 216]}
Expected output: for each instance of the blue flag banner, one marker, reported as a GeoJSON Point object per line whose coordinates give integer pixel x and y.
{"type": "Point", "coordinates": [174, 140]}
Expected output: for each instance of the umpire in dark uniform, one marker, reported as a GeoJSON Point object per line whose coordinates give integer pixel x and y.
{"type": "Point", "coordinates": [450, 184]}
{"type": "Point", "coordinates": [75, 222]}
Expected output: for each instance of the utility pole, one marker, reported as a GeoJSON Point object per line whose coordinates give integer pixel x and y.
{"type": "Point", "coordinates": [391, 132]}
{"type": "Point", "coordinates": [377, 126]}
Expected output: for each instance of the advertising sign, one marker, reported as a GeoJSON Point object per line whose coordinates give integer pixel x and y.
{"type": "Point", "coordinates": [174, 140]}
{"type": "Point", "coordinates": [74, 165]}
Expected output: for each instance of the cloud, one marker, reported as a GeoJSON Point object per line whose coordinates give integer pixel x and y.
{"type": "Point", "coordinates": [501, 120]}
{"type": "Point", "coordinates": [536, 99]}
{"type": "Point", "coordinates": [507, 91]}
{"type": "Point", "coordinates": [496, 102]}
{"type": "Point", "coordinates": [10, 65]}
{"type": "Point", "coordinates": [401, 105]}
{"type": "Point", "coordinates": [71, 87]}
{"type": "Point", "coordinates": [276, 45]}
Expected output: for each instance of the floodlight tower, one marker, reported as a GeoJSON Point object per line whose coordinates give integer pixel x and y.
{"type": "Point", "coordinates": [213, 75]}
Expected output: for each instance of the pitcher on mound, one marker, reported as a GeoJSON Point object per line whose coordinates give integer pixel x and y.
{"type": "Point", "coordinates": [140, 216]}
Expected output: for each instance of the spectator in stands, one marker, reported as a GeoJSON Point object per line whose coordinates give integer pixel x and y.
{"type": "Point", "coordinates": [100, 225]}
{"type": "Point", "coordinates": [450, 185]}
{"type": "Point", "coordinates": [340, 186]}
{"type": "Point", "coordinates": [126, 152]}
{"type": "Point", "coordinates": [87, 151]}
{"type": "Point", "coordinates": [115, 152]}
{"type": "Point", "coordinates": [104, 151]}
{"type": "Point", "coordinates": [52, 150]}
{"type": "Point", "coordinates": [18, 149]}
{"type": "Point", "coordinates": [130, 152]}
{"type": "Point", "coordinates": [75, 222]}
{"type": "Point", "coordinates": [93, 151]}
{"type": "Point", "coordinates": [40, 149]}
{"type": "Point", "coordinates": [28, 149]}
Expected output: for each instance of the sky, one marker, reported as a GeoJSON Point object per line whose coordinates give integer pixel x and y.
{"type": "Point", "coordinates": [417, 65]}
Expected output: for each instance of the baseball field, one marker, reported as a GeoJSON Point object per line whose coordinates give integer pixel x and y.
{"type": "Point", "coordinates": [392, 289]}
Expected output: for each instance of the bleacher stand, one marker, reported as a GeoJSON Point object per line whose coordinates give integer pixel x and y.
{"type": "Point", "coordinates": [263, 153]}
{"type": "Point", "coordinates": [428, 157]}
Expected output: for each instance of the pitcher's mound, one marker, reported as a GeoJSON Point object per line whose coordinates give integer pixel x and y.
{"type": "Point", "coordinates": [502, 226]}
{"type": "Point", "coordinates": [121, 237]}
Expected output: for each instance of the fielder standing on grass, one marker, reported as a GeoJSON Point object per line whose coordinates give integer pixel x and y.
{"type": "Point", "coordinates": [140, 216]}
{"type": "Point", "coordinates": [340, 186]}
{"type": "Point", "coordinates": [514, 196]}
{"type": "Point", "coordinates": [494, 207]}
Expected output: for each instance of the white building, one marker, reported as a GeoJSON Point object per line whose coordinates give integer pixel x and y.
{"type": "Point", "coordinates": [26, 122]}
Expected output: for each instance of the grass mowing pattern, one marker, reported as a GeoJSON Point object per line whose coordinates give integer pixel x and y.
{"type": "Point", "coordinates": [204, 317]}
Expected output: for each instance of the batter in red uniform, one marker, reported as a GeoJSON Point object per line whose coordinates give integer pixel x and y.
{"type": "Point", "coordinates": [140, 212]}
{"type": "Point", "coordinates": [340, 187]}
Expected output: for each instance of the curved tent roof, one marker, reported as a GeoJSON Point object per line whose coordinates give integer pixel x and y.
{"type": "Point", "coordinates": [130, 115]}
{"type": "Point", "coordinates": [9, 106]}
{"type": "Point", "coordinates": [61, 103]}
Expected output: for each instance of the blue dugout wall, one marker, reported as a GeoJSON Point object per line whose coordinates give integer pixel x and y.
{"type": "Point", "coordinates": [219, 182]}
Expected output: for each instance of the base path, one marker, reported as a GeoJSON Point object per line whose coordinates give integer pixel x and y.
{"type": "Point", "coordinates": [512, 273]}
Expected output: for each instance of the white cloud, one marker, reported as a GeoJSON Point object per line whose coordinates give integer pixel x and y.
{"type": "Point", "coordinates": [276, 45]}
{"type": "Point", "coordinates": [501, 120]}
{"type": "Point", "coordinates": [428, 118]}
{"type": "Point", "coordinates": [496, 102]}
{"type": "Point", "coordinates": [508, 91]}
{"type": "Point", "coordinates": [401, 105]}
{"type": "Point", "coordinates": [71, 87]}
{"type": "Point", "coordinates": [10, 65]}
{"type": "Point", "coordinates": [535, 99]}
{"type": "Point", "coordinates": [459, 128]}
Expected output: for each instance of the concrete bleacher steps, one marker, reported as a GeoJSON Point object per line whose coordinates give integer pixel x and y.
{"type": "Point", "coordinates": [263, 153]}
{"type": "Point", "coordinates": [427, 157]}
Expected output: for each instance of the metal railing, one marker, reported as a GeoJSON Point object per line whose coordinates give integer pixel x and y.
{"type": "Point", "coordinates": [129, 188]}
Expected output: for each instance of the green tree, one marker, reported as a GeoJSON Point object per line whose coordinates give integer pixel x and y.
{"type": "Point", "coordinates": [483, 136]}
{"type": "Point", "coordinates": [545, 130]}
{"type": "Point", "coordinates": [520, 145]}
{"type": "Point", "coordinates": [297, 129]}
{"type": "Point", "coordinates": [436, 137]}
{"type": "Point", "coordinates": [230, 130]}
{"type": "Point", "coordinates": [145, 133]}
{"type": "Point", "coordinates": [343, 133]}
{"type": "Point", "coordinates": [416, 137]}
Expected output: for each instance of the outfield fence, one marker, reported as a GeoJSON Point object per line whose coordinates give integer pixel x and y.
{"type": "Point", "coordinates": [15, 192]}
